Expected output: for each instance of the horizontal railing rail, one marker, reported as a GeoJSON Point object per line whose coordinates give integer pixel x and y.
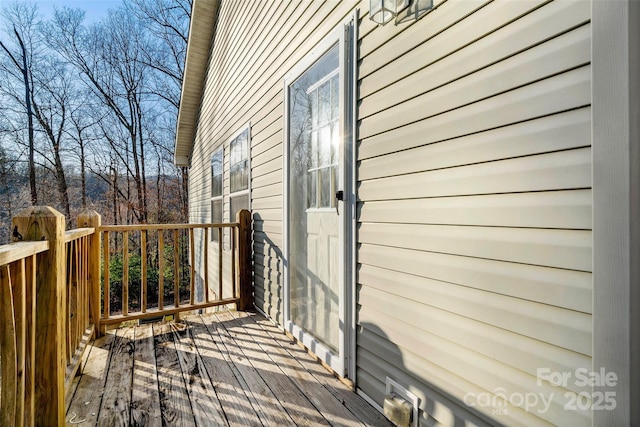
{"type": "Point", "coordinates": [17, 251]}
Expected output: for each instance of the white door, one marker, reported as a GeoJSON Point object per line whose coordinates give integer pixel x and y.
{"type": "Point", "coordinates": [317, 222]}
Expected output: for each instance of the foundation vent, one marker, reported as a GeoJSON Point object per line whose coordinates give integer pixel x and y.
{"type": "Point", "coordinates": [400, 405]}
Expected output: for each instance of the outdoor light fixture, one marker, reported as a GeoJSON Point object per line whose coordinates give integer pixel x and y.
{"type": "Point", "coordinates": [383, 11]}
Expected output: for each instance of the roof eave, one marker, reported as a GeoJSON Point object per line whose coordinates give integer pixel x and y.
{"type": "Point", "coordinates": [201, 30]}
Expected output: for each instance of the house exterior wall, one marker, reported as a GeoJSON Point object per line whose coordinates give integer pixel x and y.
{"type": "Point", "coordinates": [474, 207]}
{"type": "Point", "coordinates": [255, 45]}
{"type": "Point", "coordinates": [474, 245]}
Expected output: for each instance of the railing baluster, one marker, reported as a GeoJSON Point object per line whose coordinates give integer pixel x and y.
{"type": "Point", "coordinates": [219, 262]}
{"type": "Point", "coordinates": [233, 262]}
{"type": "Point", "coordinates": [143, 270]}
{"type": "Point", "coordinates": [107, 283]}
{"type": "Point", "coordinates": [30, 348]}
{"type": "Point", "coordinates": [160, 269]}
{"type": "Point", "coordinates": [206, 264]}
{"type": "Point", "coordinates": [17, 274]}
{"type": "Point", "coordinates": [82, 267]}
{"type": "Point", "coordinates": [71, 287]}
{"type": "Point", "coordinates": [125, 273]}
{"type": "Point", "coordinates": [80, 302]}
{"type": "Point", "coordinates": [176, 272]}
{"type": "Point", "coordinates": [192, 270]}
{"type": "Point", "coordinates": [8, 350]}
{"type": "Point", "coordinates": [85, 282]}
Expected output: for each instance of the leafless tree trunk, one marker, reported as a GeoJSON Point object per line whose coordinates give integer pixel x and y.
{"type": "Point", "coordinates": [21, 64]}
{"type": "Point", "coordinates": [77, 133]}
{"type": "Point", "coordinates": [52, 118]}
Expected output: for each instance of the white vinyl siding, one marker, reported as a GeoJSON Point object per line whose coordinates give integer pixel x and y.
{"type": "Point", "coordinates": [474, 207]}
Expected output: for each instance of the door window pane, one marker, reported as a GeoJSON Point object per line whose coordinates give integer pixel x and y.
{"type": "Point", "coordinates": [239, 162]}
{"type": "Point", "coordinates": [216, 217]}
{"type": "Point", "coordinates": [216, 173]}
{"type": "Point", "coordinates": [312, 190]}
{"type": "Point", "coordinates": [325, 188]}
{"type": "Point", "coordinates": [237, 203]}
{"type": "Point", "coordinates": [216, 190]}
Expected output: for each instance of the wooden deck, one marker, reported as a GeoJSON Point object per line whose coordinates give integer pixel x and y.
{"type": "Point", "coordinates": [223, 369]}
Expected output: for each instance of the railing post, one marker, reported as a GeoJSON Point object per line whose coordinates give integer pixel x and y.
{"type": "Point", "coordinates": [244, 260]}
{"type": "Point", "coordinates": [45, 223]}
{"type": "Point", "coordinates": [92, 219]}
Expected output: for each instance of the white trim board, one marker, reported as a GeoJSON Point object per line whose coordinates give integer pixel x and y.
{"type": "Point", "coordinates": [616, 204]}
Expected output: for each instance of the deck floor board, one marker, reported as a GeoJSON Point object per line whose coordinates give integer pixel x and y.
{"type": "Point", "coordinates": [145, 400]}
{"type": "Point", "coordinates": [332, 409]}
{"type": "Point", "coordinates": [174, 399]}
{"type": "Point", "coordinates": [85, 403]}
{"type": "Point", "coordinates": [223, 369]}
{"type": "Point", "coordinates": [116, 399]}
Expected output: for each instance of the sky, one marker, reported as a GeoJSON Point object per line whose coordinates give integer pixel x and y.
{"type": "Point", "coordinates": [95, 9]}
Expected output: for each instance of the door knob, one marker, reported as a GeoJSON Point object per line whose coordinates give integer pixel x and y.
{"type": "Point", "coordinates": [339, 196]}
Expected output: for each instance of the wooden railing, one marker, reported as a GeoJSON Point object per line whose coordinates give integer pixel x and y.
{"type": "Point", "coordinates": [50, 287]}
{"type": "Point", "coordinates": [166, 251]}
{"type": "Point", "coordinates": [18, 266]}
{"type": "Point", "coordinates": [44, 308]}
{"type": "Point", "coordinates": [79, 325]}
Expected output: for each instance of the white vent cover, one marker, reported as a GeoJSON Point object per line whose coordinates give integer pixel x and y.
{"type": "Point", "coordinates": [392, 387]}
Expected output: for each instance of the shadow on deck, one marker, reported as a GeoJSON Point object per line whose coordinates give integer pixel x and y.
{"type": "Point", "coordinates": [222, 369]}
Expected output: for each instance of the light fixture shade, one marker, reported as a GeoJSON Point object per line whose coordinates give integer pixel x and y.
{"type": "Point", "coordinates": [383, 11]}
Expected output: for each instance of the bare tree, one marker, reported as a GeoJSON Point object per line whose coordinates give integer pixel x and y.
{"type": "Point", "coordinates": [168, 21]}
{"type": "Point", "coordinates": [82, 133]}
{"type": "Point", "coordinates": [51, 99]}
{"type": "Point", "coordinates": [107, 55]}
{"type": "Point", "coordinates": [82, 105]}
{"type": "Point", "coordinates": [22, 18]}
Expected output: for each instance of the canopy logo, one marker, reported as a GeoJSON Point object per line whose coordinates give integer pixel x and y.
{"type": "Point", "coordinates": [550, 384]}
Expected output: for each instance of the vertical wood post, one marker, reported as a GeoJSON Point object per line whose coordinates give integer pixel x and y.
{"type": "Point", "coordinates": [93, 219]}
{"type": "Point", "coordinates": [45, 223]}
{"type": "Point", "coordinates": [245, 260]}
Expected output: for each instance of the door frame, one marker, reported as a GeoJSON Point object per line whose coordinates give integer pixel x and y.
{"type": "Point", "coordinates": [345, 34]}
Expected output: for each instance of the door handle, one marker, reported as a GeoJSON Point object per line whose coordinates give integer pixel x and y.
{"type": "Point", "coordinates": [339, 196]}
